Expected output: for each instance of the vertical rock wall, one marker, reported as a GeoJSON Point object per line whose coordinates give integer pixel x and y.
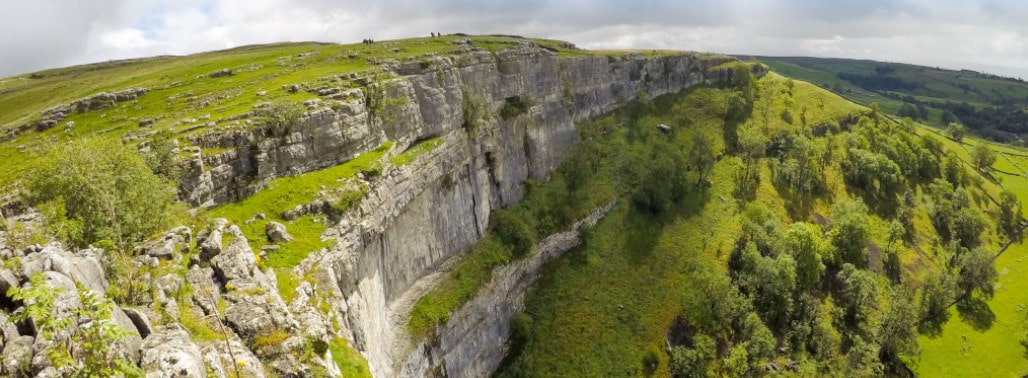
{"type": "Point", "coordinates": [421, 215]}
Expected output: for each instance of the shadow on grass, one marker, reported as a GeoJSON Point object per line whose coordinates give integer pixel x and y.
{"type": "Point", "coordinates": [644, 228]}
{"type": "Point", "coordinates": [976, 312]}
{"type": "Point", "coordinates": [932, 327]}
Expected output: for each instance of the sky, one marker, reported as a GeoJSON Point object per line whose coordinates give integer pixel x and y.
{"type": "Point", "coordinates": [983, 35]}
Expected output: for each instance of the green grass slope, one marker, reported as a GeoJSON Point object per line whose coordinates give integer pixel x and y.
{"type": "Point", "coordinates": [892, 85]}
{"type": "Point", "coordinates": [614, 305]}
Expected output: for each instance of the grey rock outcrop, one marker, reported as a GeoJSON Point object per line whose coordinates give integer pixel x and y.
{"type": "Point", "coordinates": [224, 363]}
{"type": "Point", "coordinates": [170, 244]}
{"type": "Point", "coordinates": [83, 267]}
{"type": "Point", "coordinates": [169, 352]}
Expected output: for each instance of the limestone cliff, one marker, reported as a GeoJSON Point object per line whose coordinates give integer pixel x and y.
{"type": "Point", "coordinates": [502, 118]}
{"type": "Point", "coordinates": [419, 216]}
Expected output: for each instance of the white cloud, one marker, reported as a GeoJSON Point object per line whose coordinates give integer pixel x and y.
{"type": "Point", "coordinates": [983, 34]}
{"type": "Point", "coordinates": [125, 39]}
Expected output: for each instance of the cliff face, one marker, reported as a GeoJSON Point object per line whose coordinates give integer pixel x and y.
{"type": "Point", "coordinates": [421, 215]}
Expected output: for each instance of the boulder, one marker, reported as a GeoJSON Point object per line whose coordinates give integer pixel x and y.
{"type": "Point", "coordinates": [17, 355]}
{"type": "Point", "coordinates": [277, 233]}
{"type": "Point", "coordinates": [83, 267]}
{"type": "Point", "coordinates": [129, 347]}
{"type": "Point", "coordinates": [221, 364]}
{"type": "Point", "coordinates": [210, 244]}
{"type": "Point", "coordinates": [297, 212]}
{"type": "Point", "coordinates": [168, 352]}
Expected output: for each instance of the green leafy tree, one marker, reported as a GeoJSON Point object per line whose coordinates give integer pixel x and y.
{"type": "Point", "coordinates": [850, 232]}
{"type": "Point", "coordinates": [701, 156]}
{"type": "Point", "coordinates": [695, 361]}
{"type": "Point", "coordinates": [898, 333]}
{"type": "Point", "coordinates": [859, 294]}
{"type": "Point", "coordinates": [770, 282]}
{"type": "Point", "coordinates": [760, 343]}
{"type": "Point", "coordinates": [804, 242]}
{"type": "Point", "coordinates": [1009, 218]}
{"type": "Point", "coordinates": [937, 293]}
{"type": "Point", "coordinates": [982, 156]}
{"type": "Point", "coordinates": [718, 307]}
{"type": "Point", "coordinates": [513, 232]}
{"type": "Point", "coordinates": [977, 273]}
{"type": "Point", "coordinates": [737, 363]}
{"type": "Point", "coordinates": [968, 226]}
{"type": "Point", "coordinates": [824, 338]}
{"type": "Point", "coordinates": [955, 131]}
{"type": "Point", "coordinates": [161, 155]}
{"type": "Point", "coordinates": [108, 192]}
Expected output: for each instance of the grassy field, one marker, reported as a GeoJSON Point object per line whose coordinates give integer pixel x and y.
{"type": "Point", "coordinates": [986, 342]}
{"type": "Point", "coordinates": [934, 84]}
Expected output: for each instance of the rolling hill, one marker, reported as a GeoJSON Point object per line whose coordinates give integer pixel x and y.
{"type": "Point", "coordinates": [993, 106]}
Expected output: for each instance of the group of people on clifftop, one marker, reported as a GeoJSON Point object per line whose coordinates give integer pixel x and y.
{"type": "Point", "coordinates": [369, 41]}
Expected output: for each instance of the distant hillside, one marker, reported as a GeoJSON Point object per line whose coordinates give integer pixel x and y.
{"type": "Point", "coordinates": [992, 106]}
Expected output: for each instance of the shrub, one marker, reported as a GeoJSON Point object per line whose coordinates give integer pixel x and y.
{"type": "Point", "coordinates": [474, 110]}
{"type": "Point", "coordinates": [100, 190]}
{"type": "Point", "coordinates": [282, 115]}
{"type": "Point", "coordinates": [513, 231]}
{"type": "Point", "coordinates": [515, 106]}
{"type": "Point", "coordinates": [351, 199]}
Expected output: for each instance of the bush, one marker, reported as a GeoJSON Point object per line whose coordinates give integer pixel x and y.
{"type": "Point", "coordinates": [100, 190]}
{"type": "Point", "coordinates": [513, 232]}
{"type": "Point", "coordinates": [282, 115]}
{"type": "Point", "coordinates": [514, 106]}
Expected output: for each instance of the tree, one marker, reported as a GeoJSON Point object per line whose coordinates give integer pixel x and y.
{"type": "Point", "coordinates": [859, 294]}
{"type": "Point", "coordinates": [937, 292]}
{"type": "Point", "coordinates": [769, 282]}
{"type": "Point", "coordinates": [695, 361]}
{"type": "Point", "coordinates": [760, 343]}
{"type": "Point", "coordinates": [161, 155]}
{"type": "Point", "coordinates": [982, 156]}
{"type": "Point", "coordinates": [701, 156]}
{"type": "Point", "coordinates": [1009, 219]}
{"type": "Point", "coordinates": [850, 232]}
{"type": "Point", "coordinates": [898, 333]}
{"type": "Point", "coordinates": [968, 226]}
{"type": "Point", "coordinates": [108, 192]}
{"type": "Point", "coordinates": [955, 131]}
{"type": "Point", "coordinates": [804, 241]}
{"type": "Point", "coordinates": [977, 273]}
{"type": "Point", "coordinates": [717, 306]}
{"type": "Point", "coordinates": [513, 232]}
{"type": "Point", "coordinates": [824, 338]}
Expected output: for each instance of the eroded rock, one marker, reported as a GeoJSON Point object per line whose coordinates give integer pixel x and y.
{"type": "Point", "coordinates": [168, 352]}
{"type": "Point", "coordinates": [277, 233]}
